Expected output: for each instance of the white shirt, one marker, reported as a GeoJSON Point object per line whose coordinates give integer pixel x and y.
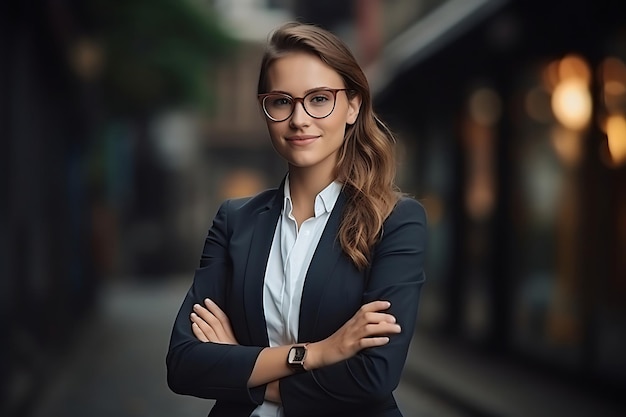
{"type": "Point", "coordinates": [288, 263]}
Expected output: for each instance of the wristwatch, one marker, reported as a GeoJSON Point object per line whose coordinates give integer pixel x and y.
{"type": "Point", "coordinates": [296, 357]}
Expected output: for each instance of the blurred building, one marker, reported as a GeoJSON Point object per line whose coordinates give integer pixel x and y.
{"type": "Point", "coordinates": [48, 270]}
{"type": "Point", "coordinates": [235, 136]}
{"type": "Point", "coordinates": [513, 115]}
{"type": "Point", "coordinates": [86, 176]}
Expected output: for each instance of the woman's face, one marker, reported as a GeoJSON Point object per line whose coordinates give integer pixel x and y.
{"type": "Point", "coordinates": [303, 141]}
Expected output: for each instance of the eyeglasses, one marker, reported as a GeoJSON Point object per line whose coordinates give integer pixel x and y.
{"type": "Point", "coordinates": [318, 104]}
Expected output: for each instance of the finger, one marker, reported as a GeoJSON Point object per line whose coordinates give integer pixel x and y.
{"type": "Point", "coordinates": [378, 305]}
{"type": "Point", "coordinates": [198, 333]}
{"type": "Point", "coordinates": [381, 329]}
{"type": "Point", "coordinates": [220, 315]}
{"type": "Point", "coordinates": [375, 317]}
{"type": "Point", "coordinates": [203, 312]}
{"type": "Point", "coordinates": [215, 309]}
{"type": "Point", "coordinates": [210, 319]}
{"type": "Point", "coordinates": [368, 342]}
{"type": "Point", "coordinates": [199, 328]}
{"type": "Point", "coordinates": [205, 328]}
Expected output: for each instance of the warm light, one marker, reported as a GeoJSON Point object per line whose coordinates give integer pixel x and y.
{"type": "Point", "coordinates": [613, 69]}
{"type": "Point", "coordinates": [616, 134]}
{"type": "Point", "coordinates": [479, 196]}
{"type": "Point", "coordinates": [485, 106]}
{"type": "Point", "coordinates": [568, 145]}
{"type": "Point", "coordinates": [613, 74]}
{"type": "Point", "coordinates": [614, 88]}
{"type": "Point", "coordinates": [86, 58]}
{"type": "Point", "coordinates": [571, 103]}
{"type": "Point", "coordinates": [537, 105]}
{"type": "Point", "coordinates": [435, 207]}
{"type": "Point", "coordinates": [574, 66]}
{"type": "Point", "coordinates": [242, 182]}
{"type": "Point", "coordinates": [550, 75]}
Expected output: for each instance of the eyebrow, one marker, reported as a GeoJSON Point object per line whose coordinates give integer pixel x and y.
{"type": "Point", "coordinates": [310, 90]}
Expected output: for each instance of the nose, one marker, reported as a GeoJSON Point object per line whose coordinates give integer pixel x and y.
{"type": "Point", "coordinates": [299, 117]}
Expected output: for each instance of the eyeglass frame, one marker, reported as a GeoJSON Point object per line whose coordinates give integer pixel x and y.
{"type": "Point", "coordinates": [262, 97]}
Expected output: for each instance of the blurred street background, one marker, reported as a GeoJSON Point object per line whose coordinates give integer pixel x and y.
{"type": "Point", "coordinates": [124, 124]}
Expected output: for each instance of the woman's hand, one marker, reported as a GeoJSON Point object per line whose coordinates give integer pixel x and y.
{"type": "Point", "coordinates": [369, 327]}
{"type": "Point", "coordinates": [210, 324]}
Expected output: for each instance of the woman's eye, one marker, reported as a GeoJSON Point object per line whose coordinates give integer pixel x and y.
{"type": "Point", "coordinates": [281, 102]}
{"type": "Point", "coordinates": [319, 99]}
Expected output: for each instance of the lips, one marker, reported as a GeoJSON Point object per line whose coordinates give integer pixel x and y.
{"type": "Point", "coordinates": [301, 137]}
{"type": "Point", "coordinates": [301, 140]}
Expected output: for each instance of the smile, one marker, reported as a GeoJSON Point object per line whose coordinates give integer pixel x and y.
{"type": "Point", "coordinates": [301, 139]}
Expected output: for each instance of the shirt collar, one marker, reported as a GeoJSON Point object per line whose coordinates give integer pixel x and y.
{"type": "Point", "coordinates": [324, 201]}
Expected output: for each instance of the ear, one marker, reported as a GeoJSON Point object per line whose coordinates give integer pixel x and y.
{"type": "Point", "coordinates": [354, 106]}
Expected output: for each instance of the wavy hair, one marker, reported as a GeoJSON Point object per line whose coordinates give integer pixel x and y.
{"type": "Point", "coordinates": [366, 165]}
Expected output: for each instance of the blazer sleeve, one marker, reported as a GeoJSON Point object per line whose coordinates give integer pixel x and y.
{"type": "Point", "coordinates": [211, 370]}
{"type": "Point", "coordinates": [396, 275]}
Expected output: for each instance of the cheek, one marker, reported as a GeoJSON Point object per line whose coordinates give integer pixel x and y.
{"type": "Point", "coordinates": [345, 117]}
{"type": "Point", "coordinates": [338, 127]}
{"type": "Point", "coordinates": [273, 129]}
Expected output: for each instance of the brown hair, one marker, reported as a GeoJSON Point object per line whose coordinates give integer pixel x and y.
{"type": "Point", "coordinates": [366, 164]}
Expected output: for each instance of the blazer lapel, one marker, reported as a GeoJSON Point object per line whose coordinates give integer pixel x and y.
{"type": "Point", "coordinates": [324, 259]}
{"type": "Point", "coordinates": [260, 245]}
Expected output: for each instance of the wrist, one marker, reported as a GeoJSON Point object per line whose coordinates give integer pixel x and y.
{"type": "Point", "coordinates": [272, 392]}
{"type": "Point", "coordinates": [314, 357]}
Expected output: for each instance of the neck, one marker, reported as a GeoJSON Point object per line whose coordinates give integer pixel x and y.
{"type": "Point", "coordinates": [304, 186]}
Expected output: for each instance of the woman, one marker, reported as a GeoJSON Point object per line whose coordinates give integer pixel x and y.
{"type": "Point", "coordinates": [306, 296]}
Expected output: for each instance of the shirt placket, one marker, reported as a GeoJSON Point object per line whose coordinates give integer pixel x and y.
{"type": "Point", "coordinates": [288, 246]}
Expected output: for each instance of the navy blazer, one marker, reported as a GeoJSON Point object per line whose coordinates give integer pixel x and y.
{"type": "Point", "coordinates": [231, 273]}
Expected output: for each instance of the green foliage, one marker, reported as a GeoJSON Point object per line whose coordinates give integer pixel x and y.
{"type": "Point", "coordinates": [157, 53]}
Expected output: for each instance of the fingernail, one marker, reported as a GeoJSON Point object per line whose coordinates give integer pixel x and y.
{"type": "Point", "coordinates": [196, 306]}
{"type": "Point", "coordinates": [207, 301]}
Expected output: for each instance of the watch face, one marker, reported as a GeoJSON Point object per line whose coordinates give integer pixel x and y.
{"type": "Point", "coordinates": [296, 354]}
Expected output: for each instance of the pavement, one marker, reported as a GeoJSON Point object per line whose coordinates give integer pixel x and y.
{"type": "Point", "coordinates": [484, 385]}
{"type": "Point", "coordinates": [117, 367]}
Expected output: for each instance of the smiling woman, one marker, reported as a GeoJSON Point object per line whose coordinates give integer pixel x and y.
{"type": "Point", "coordinates": [306, 297]}
{"type": "Point", "coordinates": [308, 136]}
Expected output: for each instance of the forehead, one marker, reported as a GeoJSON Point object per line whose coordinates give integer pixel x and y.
{"type": "Point", "coordinates": [298, 72]}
